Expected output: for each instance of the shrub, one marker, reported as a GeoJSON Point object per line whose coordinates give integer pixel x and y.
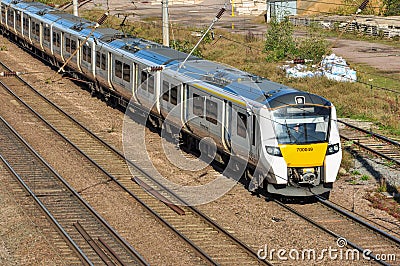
{"type": "Point", "coordinates": [279, 43]}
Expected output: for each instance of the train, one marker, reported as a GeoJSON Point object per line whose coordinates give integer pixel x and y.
{"type": "Point", "coordinates": [286, 140]}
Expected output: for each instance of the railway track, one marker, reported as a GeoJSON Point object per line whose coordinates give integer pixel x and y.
{"type": "Point", "coordinates": [210, 241]}
{"type": "Point", "coordinates": [375, 143]}
{"type": "Point", "coordinates": [352, 233]}
{"type": "Point", "coordinates": [90, 239]}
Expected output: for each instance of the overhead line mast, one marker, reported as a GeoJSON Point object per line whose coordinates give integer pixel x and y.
{"type": "Point", "coordinates": [75, 7]}
{"type": "Point", "coordinates": [165, 24]}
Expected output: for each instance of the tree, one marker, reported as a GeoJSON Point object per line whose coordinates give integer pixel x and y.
{"type": "Point", "coordinates": [392, 7]}
{"type": "Point", "coordinates": [279, 42]}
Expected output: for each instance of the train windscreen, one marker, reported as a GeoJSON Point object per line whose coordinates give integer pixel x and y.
{"type": "Point", "coordinates": [301, 124]}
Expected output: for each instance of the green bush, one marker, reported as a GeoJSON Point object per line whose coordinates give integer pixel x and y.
{"type": "Point", "coordinates": [281, 45]}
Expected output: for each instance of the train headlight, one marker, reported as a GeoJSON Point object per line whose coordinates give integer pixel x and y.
{"type": "Point", "coordinates": [274, 151]}
{"type": "Point", "coordinates": [332, 149]}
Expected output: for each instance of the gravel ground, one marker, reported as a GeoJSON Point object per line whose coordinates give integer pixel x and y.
{"type": "Point", "coordinates": [252, 219]}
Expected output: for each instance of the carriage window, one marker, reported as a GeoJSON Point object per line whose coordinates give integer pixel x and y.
{"type": "Point", "coordinates": [47, 34]}
{"type": "Point", "coordinates": [151, 84]}
{"type": "Point", "coordinates": [3, 13]}
{"type": "Point", "coordinates": [103, 61]}
{"type": "Point", "coordinates": [37, 29]}
{"type": "Point", "coordinates": [174, 95]}
{"type": "Point", "coordinates": [87, 53]}
{"type": "Point", "coordinates": [166, 91]}
{"type": "Point", "coordinates": [84, 53]}
{"type": "Point", "coordinates": [11, 18]}
{"type": "Point", "coordinates": [118, 68]}
{"type": "Point", "coordinates": [98, 59]}
{"type": "Point", "coordinates": [198, 105]}
{"type": "Point", "coordinates": [127, 73]}
{"type": "Point", "coordinates": [33, 27]}
{"type": "Point", "coordinates": [18, 20]}
{"type": "Point", "coordinates": [143, 79]}
{"type": "Point", "coordinates": [144, 76]}
{"type": "Point", "coordinates": [26, 24]}
{"type": "Point", "coordinates": [241, 125]}
{"type": "Point", "coordinates": [73, 46]}
{"type": "Point", "coordinates": [68, 45]}
{"type": "Point", "coordinates": [211, 111]}
{"type": "Point", "coordinates": [56, 39]}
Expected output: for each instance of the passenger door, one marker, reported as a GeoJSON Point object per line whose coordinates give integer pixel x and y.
{"type": "Point", "coordinates": [240, 133]}
{"type": "Point", "coordinates": [170, 99]}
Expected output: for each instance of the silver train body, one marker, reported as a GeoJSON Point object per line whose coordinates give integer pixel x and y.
{"type": "Point", "coordinates": [288, 138]}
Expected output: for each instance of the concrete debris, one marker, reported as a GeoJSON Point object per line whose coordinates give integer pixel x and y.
{"type": "Point", "coordinates": [332, 67]}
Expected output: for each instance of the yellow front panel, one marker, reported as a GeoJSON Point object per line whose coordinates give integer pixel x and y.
{"type": "Point", "coordinates": [305, 155]}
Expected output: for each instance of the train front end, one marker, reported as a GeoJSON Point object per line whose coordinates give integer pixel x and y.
{"type": "Point", "coordinates": [301, 146]}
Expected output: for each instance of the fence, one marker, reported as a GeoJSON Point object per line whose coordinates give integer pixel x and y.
{"type": "Point", "coordinates": [372, 26]}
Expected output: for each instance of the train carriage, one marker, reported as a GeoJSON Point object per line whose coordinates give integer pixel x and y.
{"type": "Point", "coordinates": [288, 139]}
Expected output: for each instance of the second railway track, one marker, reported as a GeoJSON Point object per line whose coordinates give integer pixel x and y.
{"type": "Point", "coordinates": [87, 233]}
{"type": "Point", "coordinates": [380, 145]}
{"type": "Point", "coordinates": [372, 244]}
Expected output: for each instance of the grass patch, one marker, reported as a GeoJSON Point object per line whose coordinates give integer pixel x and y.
{"type": "Point", "coordinates": [389, 163]}
{"type": "Point", "coordinates": [381, 188]}
{"type": "Point", "coordinates": [353, 182]}
{"type": "Point", "coordinates": [54, 2]}
{"type": "Point", "coordinates": [355, 172]}
{"type": "Point", "coordinates": [364, 178]}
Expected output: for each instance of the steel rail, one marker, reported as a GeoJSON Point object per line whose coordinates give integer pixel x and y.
{"type": "Point", "coordinates": [337, 236]}
{"type": "Point", "coordinates": [148, 208]}
{"type": "Point", "coordinates": [65, 235]}
{"type": "Point", "coordinates": [379, 136]}
{"type": "Point", "coordinates": [358, 220]}
{"type": "Point", "coordinates": [365, 147]}
{"type": "Point", "coordinates": [141, 260]}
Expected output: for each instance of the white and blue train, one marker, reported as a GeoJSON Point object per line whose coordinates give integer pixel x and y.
{"type": "Point", "coordinates": [288, 138]}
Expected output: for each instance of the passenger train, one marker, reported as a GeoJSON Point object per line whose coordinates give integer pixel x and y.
{"type": "Point", "coordinates": [288, 139]}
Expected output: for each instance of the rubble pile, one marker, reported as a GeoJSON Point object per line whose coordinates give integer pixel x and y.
{"type": "Point", "coordinates": [332, 66]}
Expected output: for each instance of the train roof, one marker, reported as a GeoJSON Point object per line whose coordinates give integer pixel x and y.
{"type": "Point", "coordinates": [227, 78]}
{"type": "Point", "coordinates": [53, 15]}
{"type": "Point", "coordinates": [32, 7]}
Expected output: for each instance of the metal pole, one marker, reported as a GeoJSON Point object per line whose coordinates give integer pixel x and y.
{"type": "Point", "coordinates": [165, 24]}
{"type": "Point", "coordinates": [75, 7]}
{"type": "Point", "coordinates": [217, 17]}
